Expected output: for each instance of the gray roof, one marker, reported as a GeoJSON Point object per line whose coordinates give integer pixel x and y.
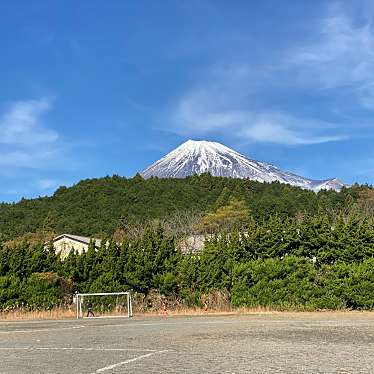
{"type": "Point", "coordinates": [80, 239]}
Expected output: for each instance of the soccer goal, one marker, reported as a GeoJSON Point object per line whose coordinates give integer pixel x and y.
{"type": "Point", "coordinates": [103, 305]}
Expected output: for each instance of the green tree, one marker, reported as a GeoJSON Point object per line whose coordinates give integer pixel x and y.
{"type": "Point", "coordinates": [235, 213]}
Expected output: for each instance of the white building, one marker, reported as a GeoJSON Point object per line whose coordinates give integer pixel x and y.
{"type": "Point", "coordinates": [65, 243]}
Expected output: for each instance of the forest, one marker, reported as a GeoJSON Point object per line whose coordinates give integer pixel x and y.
{"type": "Point", "coordinates": [268, 246]}
{"type": "Point", "coordinates": [100, 207]}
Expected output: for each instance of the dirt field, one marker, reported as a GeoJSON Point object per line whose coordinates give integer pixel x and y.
{"type": "Point", "coordinates": [261, 343]}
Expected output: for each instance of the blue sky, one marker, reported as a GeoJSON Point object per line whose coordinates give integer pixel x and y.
{"type": "Point", "coordinates": [93, 88]}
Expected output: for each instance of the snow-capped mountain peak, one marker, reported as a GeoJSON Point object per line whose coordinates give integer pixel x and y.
{"type": "Point", "coordinates": [197, 157]}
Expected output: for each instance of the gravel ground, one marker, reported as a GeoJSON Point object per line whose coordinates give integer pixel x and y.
{"type": "Point", "coordinates": [268, 343]}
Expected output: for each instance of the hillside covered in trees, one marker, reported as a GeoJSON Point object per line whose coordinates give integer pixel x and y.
{"type": "Point", "coordinates": [99, 207]}
{"type": "Point", "coordinates": [267, 245]}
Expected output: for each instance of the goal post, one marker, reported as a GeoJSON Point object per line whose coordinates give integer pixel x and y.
{"type": "Point", "coordinates": [103, 305]}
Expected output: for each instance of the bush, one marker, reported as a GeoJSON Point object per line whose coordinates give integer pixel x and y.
{"type": "Point", "coordinates": [284, 283]}
{"type": "Point", "coordinates": [39, 291]}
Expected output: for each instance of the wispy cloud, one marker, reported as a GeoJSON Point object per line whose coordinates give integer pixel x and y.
{"type": "Point", "coordinates": [337, 54]}
{"type": "Point", "coordinates": [30, 158]}
{"type": "Point", "coordinates": [25, 141]}
{"type": "Point", "coordinates": [342, 52]}
{"type": "Point", "coordinates": [340, 55]}
{"type": "Point", "coordinates": [282, 129]}
{"type": "Point", "coordinates": [22, 123]}
{"type": "Point", "coordinates": [262, 127]}
{"type": "Point", "coordinates": [224, 106]}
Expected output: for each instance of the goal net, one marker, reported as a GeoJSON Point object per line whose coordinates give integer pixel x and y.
{"type": "Point", "coordinates": [103, 305]}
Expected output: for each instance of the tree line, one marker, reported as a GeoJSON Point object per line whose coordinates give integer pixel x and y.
{"type": "Point", "coordinates": [309, 261]}
{"type": "Point", "coordinates": [105, 206]}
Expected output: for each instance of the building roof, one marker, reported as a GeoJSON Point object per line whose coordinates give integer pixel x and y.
{"type": "Point", "coordinates": [80, 239]}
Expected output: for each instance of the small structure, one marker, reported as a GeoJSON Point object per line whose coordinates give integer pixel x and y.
{"type": "Point", "coordinates": [65, 243]}
{"type": "Point", "coordinates": [193, 243]}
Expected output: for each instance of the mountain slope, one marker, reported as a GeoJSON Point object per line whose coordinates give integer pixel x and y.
{"type": "Point", "coordinates": [197, 157]}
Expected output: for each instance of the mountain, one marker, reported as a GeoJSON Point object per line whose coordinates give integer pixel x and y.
{"type": "Point", "coordinates": [197, 157]}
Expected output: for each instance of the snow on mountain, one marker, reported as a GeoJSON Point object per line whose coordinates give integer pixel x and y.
{"type": "Point", "coordinates": [197, 157]}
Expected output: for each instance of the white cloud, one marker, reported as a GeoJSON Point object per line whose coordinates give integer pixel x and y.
{"type": "Point", "coordinates": [231, 99]}
{"type": "Point", "coordinates": [281, 129]}
{"type": "Point", "coordinates": [342, 52]}
{"type": "Point", "coordinates": [341, 55]}
{"type": "Point", "coordinates": [28, 158]}
{"type": "Point", "coordinates": [22, 124]}
{"type": "Point", "coordinates": [25, 141]}
{"type": "Point", "coordinates": [202, 113]}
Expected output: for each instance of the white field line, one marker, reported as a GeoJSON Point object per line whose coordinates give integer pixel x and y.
{"type": "Point", "coordinates": [37, 322]}
{"type": "Point", "coordinates": [110, 367]}
{"type": "Point", "coordinates": [42, 330]}
{"type": "Point", "coordinates": [104, 317]}
{"type": "Point", "coordinates": [77, 349]}
{"type": "Point", "coordinates": [177, 323]}
{"type": "Point", "coordinates": [249, 322]}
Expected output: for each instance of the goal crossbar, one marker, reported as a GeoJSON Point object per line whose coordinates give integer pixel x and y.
{"type": "Point", "coordinates": [103, 293]}
{"type": "Point", "coordinates": [80, 296]}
